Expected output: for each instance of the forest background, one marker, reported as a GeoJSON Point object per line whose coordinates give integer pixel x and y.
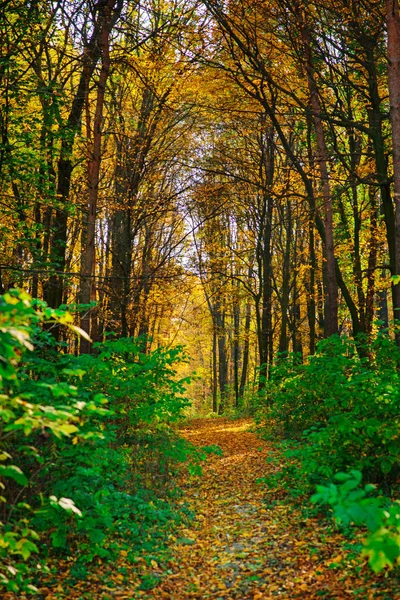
{"type": "Point", "coordinates": [224, 177]}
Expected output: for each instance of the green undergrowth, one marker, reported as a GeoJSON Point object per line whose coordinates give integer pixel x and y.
{"type": "Point", "coordinates": [337, 417]}
{"type": "Point", "coordinates": [89, 448]}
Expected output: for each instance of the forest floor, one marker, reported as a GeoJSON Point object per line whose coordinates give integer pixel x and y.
{"type": "Point", "coordinates": [246, 542]}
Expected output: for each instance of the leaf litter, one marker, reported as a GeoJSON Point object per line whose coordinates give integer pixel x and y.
{"type": "Point", "coordinates": [243, 546]}
{"type": "Point", "coordinates": [243, 543]}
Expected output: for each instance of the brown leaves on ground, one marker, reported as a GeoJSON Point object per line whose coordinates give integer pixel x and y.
{"type": "Point", "coordinates": [241, 548]}
{"type": "Point", "coordinates": [241, 545]}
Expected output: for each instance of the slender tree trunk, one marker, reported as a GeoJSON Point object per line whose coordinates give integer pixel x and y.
{"type": "Point", "coordinates": [372, 261]}
{"type": "Point", "coordinates": [383, 311]}
{"type": "Point", "coordinates": [89, 252]}
{"type": "Point", "coordinates": [222, 357]}
{"type": "Point", "coordinates": [246, 348]}
{"type": "Point", "coordinates": [283, 338]}
{"type": "Point", "coordinates": [265, 334]}
{"type": "Point", "coordinates": [214, 370]}
{"type": "Point", "coordinates": [147, 282]}
{"type": "Point", "coordinates": [331, 308]}
{"type": "Point", "coordinates": [91, 55]}
{"type": "Point", "coordinates": [375, 119]}
{"type": "Point", "coordinates": [393, 46]}
{"type": "Point", "coordinates": [121, 242]}
{"type": "Point", "coordinates": [264, 251]}
{"type": "Point", "coordinates": [236, 348]}
{"type": "Point", "coordinates": [311, 304]}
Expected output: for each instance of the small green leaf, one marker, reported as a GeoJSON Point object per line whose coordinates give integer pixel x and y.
{"type": "Point", "coordinates": [395, 279]}
{"type": "Point", "coordinates": [386, 466]}
{"type": "Point", "coordinates": [14, 472]}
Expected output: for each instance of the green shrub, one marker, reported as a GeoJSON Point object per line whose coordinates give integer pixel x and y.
{"type": "Point", "coordinates": [339, 411]}
{"type": "Point", "coordinates": [86, 445]}
{"type": "Point", "coordinates": [27, 418]}
{"type": "Point", "coordinates": [353, 504]}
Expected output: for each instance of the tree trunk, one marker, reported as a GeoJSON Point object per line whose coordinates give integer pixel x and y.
{"type": "Point", "coordinates": [372, 261]}
{"type": "Point", "coordinates": [287, 227]}
{"type": "Point", "coordinates": [265, 333]}
{"type": "Point", "coordinates": [219, 314]}
{"type": "Point", "coordinates": [214, 371]}
{"type": "Point", "coordinates": [236, 348]}
{"type": "Point", "coordinates": [89, 252]}
{"type": "Point", "coordinates": [331, 307]}
{"type": "Point", "coordinates": [393, 47]}
{"type": "Point", "coordinates": [91, 55]}
{"type": "Point", "coordinates": [375, 119]}
{"type": "Point", "coordinates": [311, 304]}
{"type": "Point", "coordinates": [246, 348]}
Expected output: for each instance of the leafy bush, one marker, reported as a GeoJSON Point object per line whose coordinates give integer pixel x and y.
{"type": "Point", "coordinates": [27, 417]}
{"type": "Point", "coordinates": [338, 410]}
{"type": "Point", "coordinates": [86, 445]}
{"type": "Point", "coordinates": [353, 504]}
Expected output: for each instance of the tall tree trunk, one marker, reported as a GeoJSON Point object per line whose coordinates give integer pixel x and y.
{"type": "Point", "coordinates": [393, 46]}
{"type": "Point", "coordinates": [236, 348]}
{"type": "Point", "coordinates": [331, 308]}
{"type": "Point", "coordinates": [214, 371]}
{"type": "Point", "coordinates": [285, 293]}
{"type": "Point", "coordinates": [91, 55]}
{"type": "Point", "coordinates": [147, 282]}
{"type": "Point", "coordinates": [89, 252]}
{"type": "Point", "coordinates": [219, 314]}
{"type": "Point", "coordinates": [121, 259]}
{"type": "Point", "coordinates": [311, 292]}
{"type": "Point", "coordinates": [372, 261]}
{"type": "Point", "coordinates": [131, 157]}
{"type": "Point", "coordinates": [265, 334]}
{"type": "Point", "coordinates": [246, 348]}
{"type": "Point", "coordinates": [375, 120]}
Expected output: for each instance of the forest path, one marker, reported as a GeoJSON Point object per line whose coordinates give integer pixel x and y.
{"type": "Point", "coordinates": [243, 546]}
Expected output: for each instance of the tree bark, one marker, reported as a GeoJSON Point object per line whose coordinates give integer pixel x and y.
{"type": "Point", "coordinates": [331, 308]}
{"type": "Point", "coordinates": [54, 287]}
{"type": "Point", "coordinates": [236, 348]}
{"type": "Point", "coordinates": [246, 348]}
{"type": "Point", "coordinates": [285, 294]}
{"type": "Point", "coordinates": [214, 371]}
{"type": "Point", "coordinates": [89, 252]}
{"type": "Point", "coordinates": [393, 48]}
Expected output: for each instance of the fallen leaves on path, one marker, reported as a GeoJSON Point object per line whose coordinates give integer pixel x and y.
{"type": "Point", "coordinates": [245, 543]}
{"type": "Point", "coordinates": [241, 547]}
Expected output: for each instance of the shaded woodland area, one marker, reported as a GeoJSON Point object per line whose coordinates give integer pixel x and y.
{"type": "Point", "coordinates": [201, 200]}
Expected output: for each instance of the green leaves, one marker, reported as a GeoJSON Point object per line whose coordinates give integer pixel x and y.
{"type": "Point", "coordinates": [353, 504]}
{"type": "Point", "coordinates": [39, 405]}
{"type": "Point", "coordinates": [340, 412]}
{"type": "Point", "coordinates": [14, 472]}
{"type": "Point", "coordinates": [395, 279]}
{"type": "Point", "coordinates": [95, 475]}
{"type": "Point", "coordinates": [382, 549]}
{"type": "Point", "coordinates": [341, 408]}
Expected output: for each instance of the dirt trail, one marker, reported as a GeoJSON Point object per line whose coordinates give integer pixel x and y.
{"type": "Point", "coordinates": [245, 543]}
{"type": "Point", "coordinates": [240, 546]}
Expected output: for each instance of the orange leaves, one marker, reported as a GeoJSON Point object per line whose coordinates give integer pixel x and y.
{"type": "Point", "coordinates": [243, 548]}
{"type": "Point", "coordinates": [239, 547]}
